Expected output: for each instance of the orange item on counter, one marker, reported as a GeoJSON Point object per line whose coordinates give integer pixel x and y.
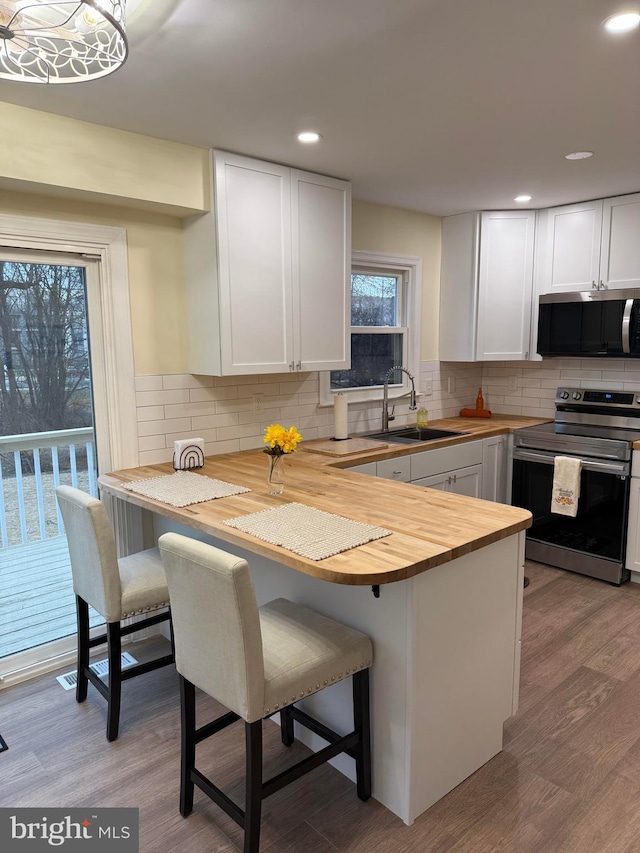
{"type": "Point", "coordinates": [480, 400]}
{"type": "Point", "coordinates": [475, 413]}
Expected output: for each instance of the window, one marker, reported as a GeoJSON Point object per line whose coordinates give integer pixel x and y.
{"type": "Point", "coordinates": [385, 300]}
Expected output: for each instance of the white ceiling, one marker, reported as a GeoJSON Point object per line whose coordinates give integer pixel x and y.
{"type": "Point", "coordinates": [440, 106]}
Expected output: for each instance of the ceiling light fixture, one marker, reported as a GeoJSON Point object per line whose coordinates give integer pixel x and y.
{"type": "Point", "coordinates": [622, 22]}
{"type": "Point", "coordinates": [308, 137]}
{"type": "Point", "coordinates": [578, 155]}
{"type": "Point", "coordinates": [61, 41]}
{"type": "Point", "coordinates": [522, 199]}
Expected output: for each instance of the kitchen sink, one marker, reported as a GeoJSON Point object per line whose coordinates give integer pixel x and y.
{"type": "Point", "coordinates": [409, 435]}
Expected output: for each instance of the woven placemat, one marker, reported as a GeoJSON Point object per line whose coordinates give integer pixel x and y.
{"type": "Point", "coordinates": [184, 488]}
{"type": "Point", "coordinates": [307, 531]}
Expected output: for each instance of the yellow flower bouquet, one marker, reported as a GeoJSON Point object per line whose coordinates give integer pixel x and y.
{"type": "Point", "coordinates": [279, 441]}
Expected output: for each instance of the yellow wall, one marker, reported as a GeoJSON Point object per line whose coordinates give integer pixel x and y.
{"type": "Point", "coordinates": [156, 273]}
{"type": "Point", "coordinates": [393, 231]}
{"type": "Point", "coordinates": [71, 157]}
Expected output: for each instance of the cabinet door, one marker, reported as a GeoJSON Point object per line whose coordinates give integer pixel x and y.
{"type": "Point", "coordinates": [438, 481]}
{"type": "Point", "coordinates": [632, 561]}
{"type": "Point", "coordinates": [620, 252]}
{"type": "Point", "coordinates": [467, 481]}
{"type": "Point", "coordinates": [505, 285]}
{"type": "Point", "coordinates": [253, 215]}
{"type": "Point", "coordinates": [572, 248]}
{"type": "Point", "coordinates": [494, 483]}
{"type": "Point", "coordinates": [321, 266]}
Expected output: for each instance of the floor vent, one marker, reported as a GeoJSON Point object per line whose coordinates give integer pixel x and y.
{"type": "Point", "coordinates": [100, 667]}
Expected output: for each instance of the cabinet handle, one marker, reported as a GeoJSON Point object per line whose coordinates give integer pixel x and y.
{"type": "Point", "coordinates": [299, 366]}
{"type": "Point", "coordinates": [594, 286]}
{"type": "Point", "coordinates": [603, 286]}
{"type": "Point", "coordinates": [396, 473]}
{"type": "Point", "coordinates": [449, 481]}
{"type": "Point", "coordinates": [291, 366]}
{"type": "Point", "coordinates": [455, 478]}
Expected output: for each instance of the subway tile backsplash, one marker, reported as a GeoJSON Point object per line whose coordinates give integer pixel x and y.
{"type": "Point", "coordinates": [221, 409]}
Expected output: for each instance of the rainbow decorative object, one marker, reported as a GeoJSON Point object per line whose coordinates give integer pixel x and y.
{"type": "Point", "coordinates": [188, 453]}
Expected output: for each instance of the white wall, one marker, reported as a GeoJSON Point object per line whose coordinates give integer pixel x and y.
{"type": "Point", "coordinates": [529, 388]}
{"type": "Point", "coordinates": [220, 409]}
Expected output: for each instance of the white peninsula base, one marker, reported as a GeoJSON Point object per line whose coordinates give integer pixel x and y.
{"type": "Point", "coordinates": [445, 671]}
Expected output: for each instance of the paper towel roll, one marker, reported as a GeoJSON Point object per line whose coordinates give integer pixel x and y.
{"type": "Point", "coordinates": [340, 416]}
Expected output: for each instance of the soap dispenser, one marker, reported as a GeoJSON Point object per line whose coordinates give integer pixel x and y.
{"type": "Point", "coordinates": [422, 415]}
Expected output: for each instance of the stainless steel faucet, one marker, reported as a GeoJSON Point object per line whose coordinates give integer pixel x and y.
{"type": "Point", "coordinates": [385, 395]}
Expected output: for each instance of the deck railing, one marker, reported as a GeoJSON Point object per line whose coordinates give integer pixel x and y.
{"type": "Point", "coordinates": [28, 508]}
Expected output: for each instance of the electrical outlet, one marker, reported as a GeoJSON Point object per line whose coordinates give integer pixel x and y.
{"type": "Point", "coordinates": [258, 403]}
{"type": "Point", "coordinates": [513, 383]}
{"type": "Point", "coordinates": [428, 389]}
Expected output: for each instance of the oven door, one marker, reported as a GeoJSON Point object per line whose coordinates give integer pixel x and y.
{"type": "Point", "coordinates": [592, 543]}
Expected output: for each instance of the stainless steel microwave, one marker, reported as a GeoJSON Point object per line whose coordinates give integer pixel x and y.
{"type": "Point", "coordinates": [592, 323]}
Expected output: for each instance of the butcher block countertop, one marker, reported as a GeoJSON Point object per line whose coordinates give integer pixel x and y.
{"type": "Point", "coordinates": [429, 527]}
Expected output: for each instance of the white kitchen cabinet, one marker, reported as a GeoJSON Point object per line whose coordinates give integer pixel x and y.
{"type": "Point", "coordinates": [620, 244]}
{"type": "Point", "coordinates": [632, 561]}
{"type": "Point", "coordinates": [590, 245]}
{"type": "Point", "coordinates": [486, 286]}
{"type": "Point", "coordinates": [461, 481]}
{"type": "Point", "coordinates": [395, 469]}
{"type": "Point", "coordinates": [268, 271]}
{"type": "Point", "coordinates": [494, 468]}
{"type": "Point", "coordinates": [453, 469]}
{"type": "Point", "coordinates": [570, 247]}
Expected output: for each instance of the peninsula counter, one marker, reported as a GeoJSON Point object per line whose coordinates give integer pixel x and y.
{"type": "Point", "coordinates": [446, 627]}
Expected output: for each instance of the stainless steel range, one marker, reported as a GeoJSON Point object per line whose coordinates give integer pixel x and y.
{"type": "Point", "coordinates": [599, 427]}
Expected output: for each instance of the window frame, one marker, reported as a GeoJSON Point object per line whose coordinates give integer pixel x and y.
{"type": "Point", "coordinates": [409, 268]}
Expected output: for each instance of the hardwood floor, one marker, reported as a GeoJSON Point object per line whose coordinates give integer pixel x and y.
{"type": "Point", "coordinates": [568, 780]}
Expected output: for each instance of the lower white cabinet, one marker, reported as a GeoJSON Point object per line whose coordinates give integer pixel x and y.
{"type": "Point", "coordinates": [494, 468]}
{"type": "Point", "coordinates": [395, 469]}
{"type": "Point", "coordinates": [462, 481]}
{"type": "Point", "coordinates": [632, 561]}
{"type": "Point", "coordinates": [478, 469]}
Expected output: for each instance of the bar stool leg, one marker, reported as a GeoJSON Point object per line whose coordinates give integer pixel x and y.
{"type": "Point", "coordinates": [114, 646]}
{"type": "Point", "coordinates": [286, 726]}
{"type": "Point", "coordinates": [82, 615]}
{"type": "Point", "coordinates": [362, 725]}
{"type": "Point", "coordinates": [253, 806]}
{"type": "Point", "coordinates": [188, 749]}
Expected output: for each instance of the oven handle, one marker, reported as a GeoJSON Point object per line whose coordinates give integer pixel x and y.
{"type": "Point", "coordinates": [620, 468]}
{"type": "Point", "coordinates": [626, 326]}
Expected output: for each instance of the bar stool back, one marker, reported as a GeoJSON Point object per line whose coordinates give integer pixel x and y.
{"type": "Point", "coordinates": [256, 662]}
{"type": "Point", "coordinates": [117, 588]}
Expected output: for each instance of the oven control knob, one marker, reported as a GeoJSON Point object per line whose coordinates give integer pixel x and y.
{"type": "Point", "coordinates": [576, 395]}
{"type": "Point", "coordinates": [564, 395]}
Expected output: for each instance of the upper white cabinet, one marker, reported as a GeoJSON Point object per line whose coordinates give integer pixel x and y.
{"type": "Point", "coordinates": [486, 286]}
{"type": "Point", "coordinates": [590, 245]}
{"type": "Point", "coordinates": [620, 245]}
{"type": "Point", "coordinates": [268, 271]}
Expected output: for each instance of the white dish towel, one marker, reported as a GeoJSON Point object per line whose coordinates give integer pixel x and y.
{"type": "Point", "coordinates": [566, 485]}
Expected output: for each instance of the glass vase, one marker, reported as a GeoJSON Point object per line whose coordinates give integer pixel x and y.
{"type": "Point", "coordinates": [275, 477]}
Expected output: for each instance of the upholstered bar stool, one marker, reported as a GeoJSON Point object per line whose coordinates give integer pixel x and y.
{"type": "Point", "coordinates": [256, 661]}
{"type": "Point", "coordinates": [118, 588]}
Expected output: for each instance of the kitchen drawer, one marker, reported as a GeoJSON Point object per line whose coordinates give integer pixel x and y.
{"type": "Point", "coordinates": [365, 468]}
{"type": "Point", "coordinates": [395, 469]}
{"type": "Point", "coordinates": [431, 462]}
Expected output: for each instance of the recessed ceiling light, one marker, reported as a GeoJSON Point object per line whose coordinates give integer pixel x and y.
{"type": "Point", "coordinates": [522, 199]}
{"type": "Point", "coordinates": [579, 155]}
{"type": "Point", "coordinates": [623, 22]}
{"type": "Point", "coordinates": [308, 137]}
